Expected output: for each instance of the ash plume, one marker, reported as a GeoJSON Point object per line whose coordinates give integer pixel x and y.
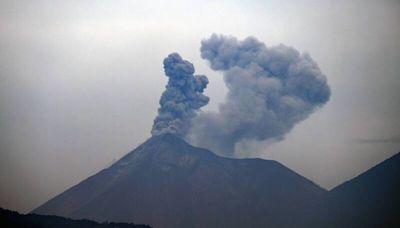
{"type": "Point", "coordinates": [270, 89]}
{"type": "Point", "coordinates": [182, 98]}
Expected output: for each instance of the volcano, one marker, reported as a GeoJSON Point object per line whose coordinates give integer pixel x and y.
{"type": "Point", "coordinates": [166, 182]}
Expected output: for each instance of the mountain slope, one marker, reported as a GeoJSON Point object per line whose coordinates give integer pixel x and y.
{"type": "Point", "coordinates": [370, 200]}
{"type": "Point", "coordinates": [166, 182]}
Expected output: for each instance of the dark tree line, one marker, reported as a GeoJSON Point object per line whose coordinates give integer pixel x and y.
{"type": "Point", "coordinates": [12, 219]}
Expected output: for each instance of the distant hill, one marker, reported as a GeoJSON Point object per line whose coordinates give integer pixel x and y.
{"type": "Point", "coordinates": [370, 200]}
{"type": "Point", "coordinates": [166, 182]}
{"type": "Point", "coordinates": [11, 219]}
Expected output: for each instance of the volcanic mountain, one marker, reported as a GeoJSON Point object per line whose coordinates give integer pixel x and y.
{"type": "Point", "coordinates": [166, 182]}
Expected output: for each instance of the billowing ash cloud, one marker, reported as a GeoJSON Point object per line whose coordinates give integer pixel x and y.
{"type": "Point", "coordinates": [270, 89]}
{"type": "Point", "coordinates": [182, 97]}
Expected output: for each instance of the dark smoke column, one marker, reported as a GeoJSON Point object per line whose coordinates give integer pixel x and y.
{"type": "Point", "coordinates": [270, 89]}
{"type": "Point", "coordinates": [182, 98]}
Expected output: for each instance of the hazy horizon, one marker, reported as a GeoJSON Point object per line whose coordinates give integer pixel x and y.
{"type": "Point", "coordinates": [81, 82]}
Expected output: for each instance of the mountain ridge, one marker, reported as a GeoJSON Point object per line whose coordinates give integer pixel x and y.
{"type": "Point", "coordinates": [363, 174]}
{"type": "Point", "coordinates": [369, 200]}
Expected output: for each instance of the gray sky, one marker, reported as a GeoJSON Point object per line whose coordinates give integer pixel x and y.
{"type": "Point", "coordinates": [80, 83]}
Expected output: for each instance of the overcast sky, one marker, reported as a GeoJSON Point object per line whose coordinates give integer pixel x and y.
{"type": "Point", "coordinates": [81, 80]}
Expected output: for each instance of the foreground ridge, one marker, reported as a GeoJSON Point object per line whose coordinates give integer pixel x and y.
{"type": "Point", "coordinates": [11, 219]}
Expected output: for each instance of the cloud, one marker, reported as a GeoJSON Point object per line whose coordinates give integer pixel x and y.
{"type": "Point", "coordinates": [270, 89]}
{"type": "Point", "coordinates": [392, 139]}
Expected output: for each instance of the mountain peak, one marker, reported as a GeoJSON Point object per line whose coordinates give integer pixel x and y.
{"type": "Point", "coordinates": [165, 138]}
{"type": "Point", "coordinates": [165, 141]}
{"type": "Point", "coordinates": [164, 148]}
